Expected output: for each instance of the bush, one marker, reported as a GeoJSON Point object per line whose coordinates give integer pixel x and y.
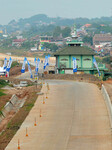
{"type": "Point", "coordinates": [3, 83]}
{"type": "Point", "coordinates": [107, 60]}
{"type": "Point", "coordinates": [14, 63]}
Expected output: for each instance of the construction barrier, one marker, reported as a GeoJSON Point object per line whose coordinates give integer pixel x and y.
{"type": "Point", "coordinates": [108, 102]}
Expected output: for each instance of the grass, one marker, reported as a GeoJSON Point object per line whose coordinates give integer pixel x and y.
{"type": "Point", "coordinates": [23, 52]}
{"type": "Point", "coordinates": [1, 92]}
{"type": "Point", "coordinates": [1, 113]}
{"type": "Point", "coordinates": [16, 126]}
{"type": "Point", "coordinates": [29, 106]}
{"type": "Point", "coordinates": [3, 83]}
{"type": "Point", "coordinates": [18, 52]}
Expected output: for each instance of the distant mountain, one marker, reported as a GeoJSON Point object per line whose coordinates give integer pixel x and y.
{"type": "Point", "coordinates": [42, 19]}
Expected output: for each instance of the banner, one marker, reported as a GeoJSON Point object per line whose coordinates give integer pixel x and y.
{"type": "Point", "coordinates": [29, 68]}
{"type": "Point", "coordinates": [23, 66]}
{"type": "Point", "coordinates": [95, 63]}
{"type": "Point", "coordinates": [74, 65]}
{"type": "Point", "coordinates": [35, 61]}
{"type": "Point", "coordinates": [5, 63]}
{"type": "Point", "coordinates": [37, 65]}
{"type": "Point", "coordinates": [9, 64]}
{"type": "Point", "coordinates": [46, 62]}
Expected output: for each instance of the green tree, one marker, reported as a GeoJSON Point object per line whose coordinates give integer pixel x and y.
{"type": "Point", "coordinates": [57, 31]}
{"type": "Point", "coordinates": [88, 39]}
{"type": "Point", "coordinates": [7, 42]}
{"type": "Point", "coordinates": [28, 44]}
{"type": "Point", "coordinates": [53, 47]}
{"type": "Point", "coordinates": [66, 32]}
{"type": "Point", "coordinates": [107, 60]}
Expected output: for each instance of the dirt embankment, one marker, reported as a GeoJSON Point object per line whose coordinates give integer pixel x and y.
{"type": "Point", "coordinates": [84, 77]}
{"type": "Point", "coordinates": [12, 123]}
{"type": "Point", "coordinates": [75, 77]}
{"type": "Point", "coordinates": [15, 71]}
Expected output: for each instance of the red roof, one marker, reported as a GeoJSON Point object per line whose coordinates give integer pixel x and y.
{"type": "Point", "coordinates": [87, 25]}
{"type": "Point", "coordinates": [19, 40]}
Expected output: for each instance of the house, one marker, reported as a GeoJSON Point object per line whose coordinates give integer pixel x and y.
{"type": "Point", "coordinates": [33, 49]}
{"type": "Point", "coordinates": [102, 39]}
{"type": "Point", "coordinates": [18, 42]}
{"type": "Point", "coordinates": [84, 57]}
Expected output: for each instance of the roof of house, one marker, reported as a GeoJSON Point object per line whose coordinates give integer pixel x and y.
{"type": "Point", "coordinates": [75, 50]}
{"type": "Point", "coordinates": [102, 37]}
{"type": "Point", "coordinates": [19, 40]}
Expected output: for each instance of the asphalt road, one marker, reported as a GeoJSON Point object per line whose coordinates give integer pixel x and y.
{"type": "Point", "coordinates": [74, 117]}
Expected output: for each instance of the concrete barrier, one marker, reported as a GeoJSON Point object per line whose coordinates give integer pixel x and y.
{"type": "Point", "coordinates": [14, 99]}
{"type": "Point", "coordinates": [108, 102]}
{"type": "Point", "coordinates": [14, 104]}
{"type": "Point", "coordinates": [7, 108]}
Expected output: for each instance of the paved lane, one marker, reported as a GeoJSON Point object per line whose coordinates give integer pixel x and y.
{"type": "Point", "coordinates": [74, 118]}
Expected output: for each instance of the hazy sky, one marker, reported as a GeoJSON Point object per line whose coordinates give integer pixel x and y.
{"type": "Point", "coordinates": [16, 9]}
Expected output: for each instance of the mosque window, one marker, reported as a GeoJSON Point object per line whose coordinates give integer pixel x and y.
{"type": "Point", "coordinates": [87, 59]}
{"type": "Point", "coordinates": [64, 59]}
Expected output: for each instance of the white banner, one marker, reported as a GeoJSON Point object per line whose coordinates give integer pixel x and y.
{"type": "Point", "coordinates": [74, 65]}
{"type": "Point", "coordinates": [9, 64]}
{"type": "Point", "coordinates": [95, 63]}
{"type": "Point", "coordinates": [23, 66]}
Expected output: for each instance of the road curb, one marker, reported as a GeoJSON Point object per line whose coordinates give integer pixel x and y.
{"type": "Point", "coordinates": [108, 102]}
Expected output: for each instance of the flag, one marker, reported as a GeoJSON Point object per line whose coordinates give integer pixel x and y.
{"type": "Point", "coordinates": [35, 61]}
{"type": "Point", "coordinates": [95, 63]}
{"type": "Point", "coordinates": [46, 62]}
{"type": "Point", "coordinates": [74, 65]}
{"type": "Point", "coordinates": [29, 68]}
{"type": "Point", "coordinates": [23, 66]}
{"type": "Point", "coordinates": [9, 64]}
{"type": "Point", "coordinates": [37, 65]}
{"type": "Point", "coordinates": [5, 63]}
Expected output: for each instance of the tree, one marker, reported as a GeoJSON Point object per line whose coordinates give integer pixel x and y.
{"type": "Point", "coordinates": [66, 32]}
{"type": "Point", "coordinates": [88, 39]}
{"type": "Point", "coordinates": [57, 31]}
{"type": "Point", "coordinates": [28, 44]}
{"type": "Point", "coordinates": [53, 47]}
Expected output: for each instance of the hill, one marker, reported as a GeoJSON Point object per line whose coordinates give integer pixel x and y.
{"type": "Point", "coordinates": [42, 19]}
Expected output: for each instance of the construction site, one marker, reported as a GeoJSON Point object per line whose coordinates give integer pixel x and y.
{"type": "Point", "coordinates": [54, 111]}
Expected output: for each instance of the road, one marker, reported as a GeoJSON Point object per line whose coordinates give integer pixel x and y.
{"type": "Point", "coordinates": [74, 117]}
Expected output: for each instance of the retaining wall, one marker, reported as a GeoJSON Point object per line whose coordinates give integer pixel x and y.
{"type": "Point", "coordinates": [108, 102]}
{"type": "Point", "coordinates": [8, 107]}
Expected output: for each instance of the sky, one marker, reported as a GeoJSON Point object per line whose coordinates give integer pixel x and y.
{"type": "Point", "coordinates": [16, 9]}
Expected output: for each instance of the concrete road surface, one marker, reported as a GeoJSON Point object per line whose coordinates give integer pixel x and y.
{"type": "Point", "coordinates": [74, 117]}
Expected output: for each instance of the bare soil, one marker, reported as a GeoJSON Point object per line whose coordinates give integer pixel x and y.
{"type": "Point", "coordinates": [12, 122]}
{"type": "Point", "coordinates": [4, 99]}
{"type": "Point", "coordinates": [15, 71]}
{"type": "Point", "coordinates": [10, 125]}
